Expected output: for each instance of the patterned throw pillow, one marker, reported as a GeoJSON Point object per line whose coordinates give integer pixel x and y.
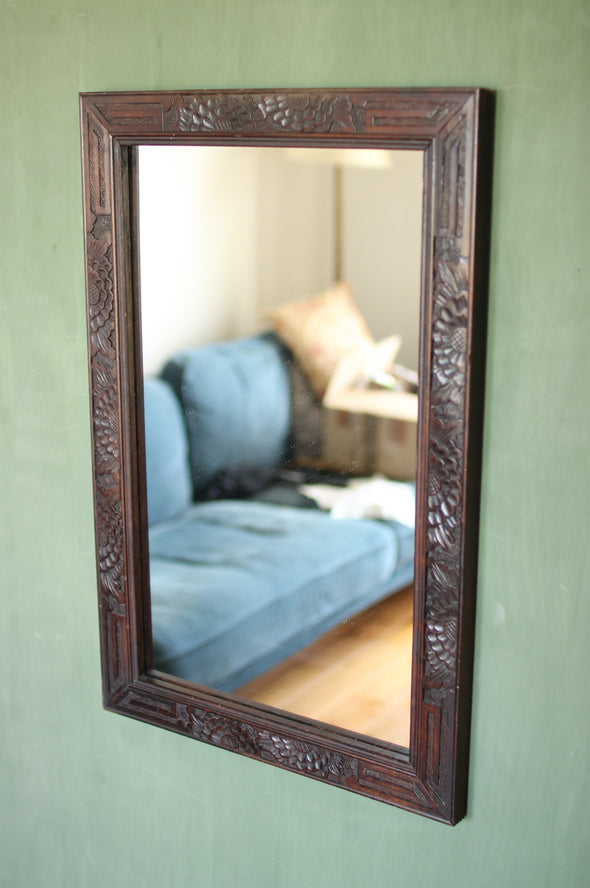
{"type": "Point", "coordinates": [320, 330]}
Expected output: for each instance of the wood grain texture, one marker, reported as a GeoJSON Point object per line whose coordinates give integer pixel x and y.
{"type": "Point", "coordinates": [357, 676]}
{"type": "Point", "coordinates": [454, 129]}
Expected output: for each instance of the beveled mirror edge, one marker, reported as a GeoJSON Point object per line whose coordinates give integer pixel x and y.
{"type": "Point", "coordinates": [456, 127]}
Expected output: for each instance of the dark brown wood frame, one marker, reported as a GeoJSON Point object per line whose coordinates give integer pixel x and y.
{"type": "Point", "coordinates": [453, 127]}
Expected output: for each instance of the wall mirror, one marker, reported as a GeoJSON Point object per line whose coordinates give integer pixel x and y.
{"type": "Point", "coordinates": [286, 313]}
{"type": "Point", "coordinates": [327, 215]}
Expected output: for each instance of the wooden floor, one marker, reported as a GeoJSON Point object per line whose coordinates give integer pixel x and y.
{"type": "Point", "coordinates": [357, 676]}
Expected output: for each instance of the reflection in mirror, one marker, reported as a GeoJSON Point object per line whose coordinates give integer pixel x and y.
{"type": "Point", "coordinates": [281, 414]}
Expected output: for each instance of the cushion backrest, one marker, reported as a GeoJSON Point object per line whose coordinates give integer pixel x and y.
{"type": "Point", "coordinates": [169, 485]}
{"type": "Point", "coordinates": [236, 402]}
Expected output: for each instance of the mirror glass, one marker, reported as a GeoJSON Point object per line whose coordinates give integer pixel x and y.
{"type": "Point", "coordinates": [243, 253]}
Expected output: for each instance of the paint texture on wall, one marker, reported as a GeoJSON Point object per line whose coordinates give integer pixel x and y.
{"type": "Point", "coordinates": [90, 799]}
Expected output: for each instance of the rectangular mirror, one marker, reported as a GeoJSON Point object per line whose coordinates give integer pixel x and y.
{"type": "Point", "coordinates": [286, 296]}
{"type": "Point", "coordinates": [344, 657]}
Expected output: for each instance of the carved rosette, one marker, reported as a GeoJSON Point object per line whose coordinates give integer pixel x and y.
{"type": "Point", "coordinates": [441, 628]}
{"type": "Point", "coordinates": [215, 114]}
{"type": "Point", "coordinates": [316, 113]}
{"type": "Point", "coordinates": [106, 422]}
{"type": "Point", "coordinates": [109, 533]}
{"type": "Point", "coordinates": [280, 112]}
{"type": "Point", "coordinates": [444, 490]}
{"type": "Point", "coordinates": [303, 757]}
{"type": "Point", "coordinates": [99, 263]}
{"type": "Point", "coordinates": [449, 334]}
{"type": "Point", "coordinates": [222, 731]}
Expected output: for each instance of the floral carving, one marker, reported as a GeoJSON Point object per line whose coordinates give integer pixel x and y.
{"type": "Point", "coordinates": [449, 334]}
{"type": "Point", "coordinates": [109, 538]}
{"type": "Point", "coordinates": [280, 112]}
{"type": "Point", "coordinates": [226, 732]}
{"type": "Point", "coordinates": [303, 757]}
{"type": "Point", "coordinates": [444, 488]}
{"type": "Point", "coordinates": [219, 114]}
{"type": "Point", "coordinates": [106, 422]}
{"type": "Point", "coordinates": [306, 113]}
{"type": "Point", "coordinates": [441, 649]}
{"type": "Point", "coordinates": [441, 633]}
{"type": "Point", "coordinates": [101, 328]}
{"type": "Point", "coordinates": [100, 291]}
{"type": "Point", "coordinates": [449, 359]}
{"type": "Point", "coordinates": [110, 549]}
{"type": "Point", "coordinates": [294, 754]}
{"type": "Point", "coordinates": [445, 465]}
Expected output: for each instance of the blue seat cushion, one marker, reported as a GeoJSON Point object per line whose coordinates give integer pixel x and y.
{"type": "Point", "coordinates": [237, 586]}
{"type": "Point", "coordinates": [236, 400]}
{"type": "Point", "coordinates": [169, 485]}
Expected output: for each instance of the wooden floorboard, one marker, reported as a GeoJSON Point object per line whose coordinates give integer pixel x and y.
{"type": "Point", "coordinates": [357, 676]}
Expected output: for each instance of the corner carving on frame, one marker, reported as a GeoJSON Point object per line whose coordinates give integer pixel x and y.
{"type": "Point", "coordinates": [454, 128]}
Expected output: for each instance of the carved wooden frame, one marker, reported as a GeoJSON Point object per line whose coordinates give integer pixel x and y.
{"type": "Point", "coordinates": [454, 129]}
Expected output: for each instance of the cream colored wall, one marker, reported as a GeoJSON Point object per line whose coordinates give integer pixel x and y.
{"type": "Point", "coordinates": [226, 234]}
{"type": "Point", "coordinates": [382, 236]}
{"type": "Point", "coordinates": [295, 250]}
{"type": "Point", "coordinates": [194, 264]}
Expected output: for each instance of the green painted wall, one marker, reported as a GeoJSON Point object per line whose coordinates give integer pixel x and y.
{"type": "Point", "coordinates": [92, 799]}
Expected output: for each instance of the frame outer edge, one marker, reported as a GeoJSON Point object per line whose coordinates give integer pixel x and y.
{"type": "Point", "coordinates": [118, 647]}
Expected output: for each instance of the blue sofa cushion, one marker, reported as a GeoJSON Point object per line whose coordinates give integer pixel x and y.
{"type": "Point", "coordinates": [238, 586]}
{"type": "Point", "coordinates": [169, 485]}
{"type": "Point", "coordinates": [236, 400]}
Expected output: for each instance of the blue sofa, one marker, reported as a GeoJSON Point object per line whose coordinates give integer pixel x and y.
{"type": "Point", "coordinates": [238, 583]}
